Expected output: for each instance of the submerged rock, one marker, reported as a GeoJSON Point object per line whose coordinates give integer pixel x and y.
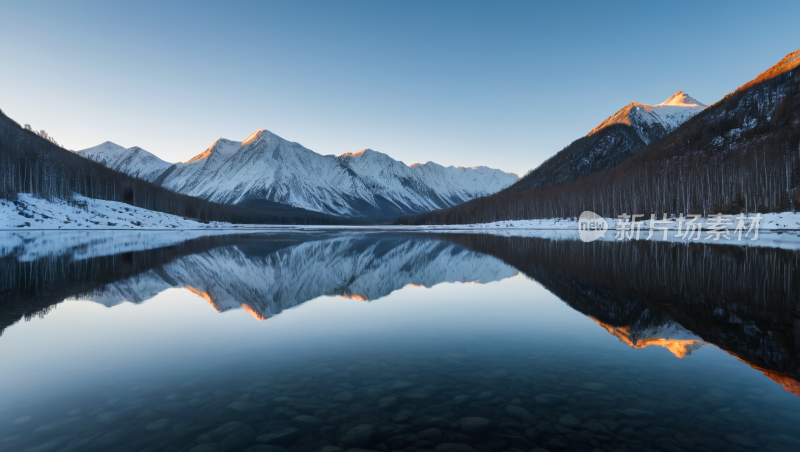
{"type": "Point", "coordinates": [306, 421]}
{"type": "Point", "coordinates": [569, 421]}
{"type": "Point", "coordinates": [455, 447]}
{"type": "Point", "coordinates": [208, 447]}
{"type": "Point", "coordinates": [473, 425]}
{"type": "Point", "coordinates": [265, 448]}
{"type": "Point", "coordinates": [594, 386]}
{"type": "Point", "coordinates": [518, 412]}
{"type": "Point", "coordinates": [280, 436]}
{"type": "Point", "coordinates": [550, 399]}
{"type": "Point", "coordinates": [359, 435]}
{"type": "Point", "coordinates": [157, 425]}
{"type": "Point", "coordinates": [238, 440]}
{"type": "Point", "coordinates": [221, 432]}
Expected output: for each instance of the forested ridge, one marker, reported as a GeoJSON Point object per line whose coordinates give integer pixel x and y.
{"type": "Point", "coordinates": [31, 163]}
{"type": "Point", "coordinates": [741, 154]}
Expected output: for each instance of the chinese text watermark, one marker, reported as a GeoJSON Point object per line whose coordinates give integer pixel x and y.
{"type": "Point", "coordinates": [592, 226]}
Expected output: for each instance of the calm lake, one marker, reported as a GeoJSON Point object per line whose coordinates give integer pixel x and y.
{"type": "Point", "coordinates": [336, 340]}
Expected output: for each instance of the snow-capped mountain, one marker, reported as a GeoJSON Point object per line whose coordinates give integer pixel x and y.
{"type": "Point", "coordinates": [133, 161]}
{"type": "Point", "coordinates": [353, 266]}
{"type": "Point", "coordinates": [653, 122]}
{"type": "Point", "coordinates": [422, 186]}
{"type": "Point", "coordinates": [265, 167]}
{"type": "Point", "coordinates": [614, 140]}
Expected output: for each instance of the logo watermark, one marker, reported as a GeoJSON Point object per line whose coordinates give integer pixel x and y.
{"type": "Point", "coordinates": [592, 226]}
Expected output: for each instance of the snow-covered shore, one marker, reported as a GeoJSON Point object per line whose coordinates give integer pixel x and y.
{"type": "Point", "coordinates": [781, 221]}
{"type": "Point", "coordinates": [35, 213]}
{"type": "Point", "coordinates": [776, 230]}
{"type": "Point", "coordinates": [35, 228]}
{"type": "Point", "coordinates": [99, 219]}
{"type": "Point", "coordinates": [84, 244]}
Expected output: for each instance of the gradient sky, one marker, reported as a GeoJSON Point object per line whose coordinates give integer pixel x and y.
{"type": "Point", "coordinates": [504, 84]}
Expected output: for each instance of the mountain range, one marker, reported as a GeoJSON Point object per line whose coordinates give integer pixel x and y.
{"type": "Point", "coordinates": [739, 154]}
{"type": "Point", "coordinates": [266, 170]}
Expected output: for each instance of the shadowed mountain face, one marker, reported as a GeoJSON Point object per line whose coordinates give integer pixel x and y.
{"type": "Point", "coordinates": [745, 301]}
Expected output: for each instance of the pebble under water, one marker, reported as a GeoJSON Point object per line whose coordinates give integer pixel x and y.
{"type": "Point", "coordinates": [502, 364]}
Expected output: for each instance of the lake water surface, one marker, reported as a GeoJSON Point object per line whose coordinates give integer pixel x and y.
{"type": "Point", "coordinates": [327, 341]}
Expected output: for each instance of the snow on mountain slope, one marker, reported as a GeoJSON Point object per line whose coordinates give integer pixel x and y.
{"type": "Point", "coordinates": [421, 187]}
{"type": "Point", "coordinates": [652, 122]}
{"type": "Point", "coordinates": [267, 167]}
{"type": "Point", "coordinates": [133, 161]}
{"type": "Point", "coordinates": [354, 266]}
{"type": "Point", "coordinates": [618, 137]}
{"type": "Point", "coordinates": [36, 213]}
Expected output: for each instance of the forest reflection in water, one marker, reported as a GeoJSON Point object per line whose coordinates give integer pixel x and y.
{"type": "Point", "coordinates": [680, 297]}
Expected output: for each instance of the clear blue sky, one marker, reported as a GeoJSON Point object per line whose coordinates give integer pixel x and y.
{"type": "Point", "coordinates": [504, 84]}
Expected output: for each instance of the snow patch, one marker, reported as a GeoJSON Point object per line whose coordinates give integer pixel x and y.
{"type": "Point", "coordinates": [29, 212]}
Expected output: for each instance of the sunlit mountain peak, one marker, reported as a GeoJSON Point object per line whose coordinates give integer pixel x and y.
{"type": "Point", "coordinates": [220, 147]}
{"type": "Point", "coordinates": [788, 63]}
{"type": "Point", "coordinates": [254, 136]}
{"type": "Point", "coordinates": [681, 99]}
{"type": "Point", "coordinates": [650, 122]}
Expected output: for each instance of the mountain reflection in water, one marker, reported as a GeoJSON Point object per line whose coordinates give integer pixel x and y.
{"type": "Point", "coordinates": [266, 282]}
{"type": "Point", "coordinates": [743, 300]}
{"type": "Point", "coordinates": [684, 298]}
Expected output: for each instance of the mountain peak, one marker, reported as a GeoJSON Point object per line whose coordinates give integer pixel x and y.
{"type": "Point", "coordinates": [133, 161]}
{"type": "Point", "coordinates": [668, 114]}
{"type": "Point", "coordinates": [220, 147]}
{"type": "Point", "coordinates": [256, 135]}
{"type": "Point", "coordinates": [104, 148]}
{"type": "Point", "coordinates": [788, 63]}
{"type": "Point", "coordinates": [366, 151]}
{"type": "Point", "coordinates": [681, 99]}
